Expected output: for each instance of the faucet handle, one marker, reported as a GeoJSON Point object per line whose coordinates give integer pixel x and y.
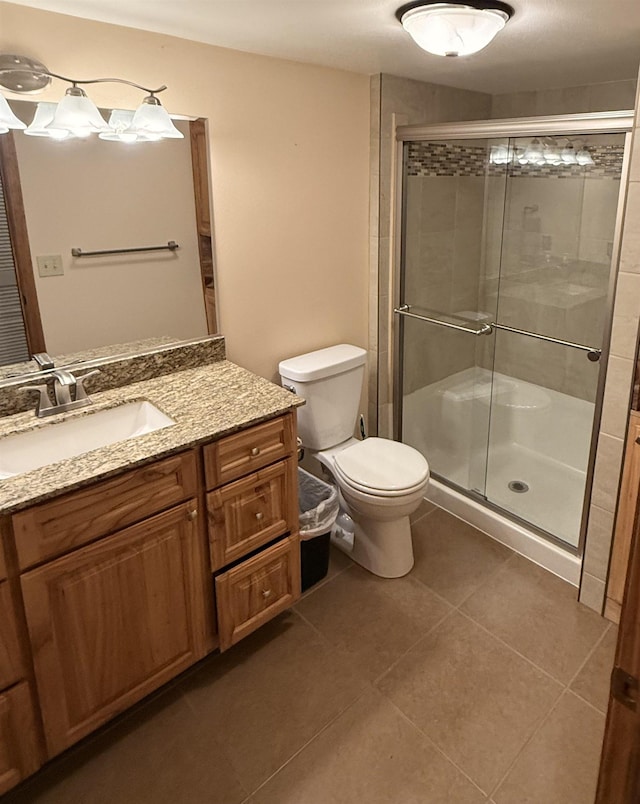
{"type": "Point", "coordinates": [44, 403]}
{"type": "Point", "coordinates": [81, 392]}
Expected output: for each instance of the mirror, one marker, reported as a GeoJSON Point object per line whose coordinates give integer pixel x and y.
{"type": "Point", "coordinates": [97, 195]}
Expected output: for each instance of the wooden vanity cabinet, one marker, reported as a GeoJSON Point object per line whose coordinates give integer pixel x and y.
{"type": "Point", "coordinates": [115, 583]}
{"type": "Point", "coordinates": [20, 750]}
{"type": "Point", "coordinates": [253, 526]}
{"type": "Point", "coordinates": [115, 620]}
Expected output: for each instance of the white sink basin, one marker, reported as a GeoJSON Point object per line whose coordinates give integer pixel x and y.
{"type": "Point", "coordinates": [52, 443]}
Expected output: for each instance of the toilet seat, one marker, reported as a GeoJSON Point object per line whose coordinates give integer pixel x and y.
{"type": "Point", "coordinates": [381, 467]}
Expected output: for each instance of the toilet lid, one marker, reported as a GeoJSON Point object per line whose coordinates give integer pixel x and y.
{"type": "Point", "coordinates": [382, 464]}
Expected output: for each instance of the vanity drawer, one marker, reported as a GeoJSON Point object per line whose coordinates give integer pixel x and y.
{"type": "Point", "coordinates": [253, 592]}
{"type": "Point", "coordinates": [53, 528]}
{"type": "Point", "coordinates": [251, 512]}
{"type": "Point", "coordinates": [11, 669]}
{"type": "Point", "coordinates": [244, 452]}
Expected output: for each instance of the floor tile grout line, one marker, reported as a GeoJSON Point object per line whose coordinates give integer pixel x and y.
{"type": "Point", "coordinates": [514, 650]}
{"type": "Point", "coordinates": [321, 584]}
{"type": "Point", "coordinates": [588, 703]}
{"type": "Point", "coordinates": [420, 639]}
{"type": "Point", "coordinates": [486, 580]}
{"type": "Point", "coordinates": [426, 513]}
{"type": "Point", "coordinates": [373, 682]}
{"type": "Point", "coordinates": [432, 742]}
{"type": "Point", "coordinates": [590, 654]}
{"type": "Point", "coordinates": [320, 731]}
{"type": "Point", "coordinates": [536, 729]}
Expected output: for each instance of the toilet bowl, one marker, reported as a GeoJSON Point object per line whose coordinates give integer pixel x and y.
{"type": "Point", "coordinates": [381, 482]}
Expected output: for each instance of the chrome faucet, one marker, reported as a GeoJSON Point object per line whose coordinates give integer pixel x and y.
{"type": "Point", "coordinates": [64, 385]}
{"type": "Point", "coordinates": [63, 382]}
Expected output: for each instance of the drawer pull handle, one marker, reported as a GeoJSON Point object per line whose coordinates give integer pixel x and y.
{"type": "Point", "coordinates": [192, 515]}
{"type": "Point", "coordinates": [266, 593]}
{"type": "Point", "coordinates": [255, 451]}
{"type": "Point", "coordinates": [259, 516]}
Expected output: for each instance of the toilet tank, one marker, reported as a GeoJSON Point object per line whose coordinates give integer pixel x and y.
{"type": "Point", "coordinates": [330, 380]}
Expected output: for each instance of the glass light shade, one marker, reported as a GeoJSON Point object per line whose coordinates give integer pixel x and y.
{"type": "Point", "coordinates": [8, 120]}
{"type": "Point", "coordinates": [45, 112]}
{"type": "Point", "coordinates": [569, 156]}
{"type": "Point", "coordinates": [120, 127]}
{"type": "Point", "coordinates": [151, 121]}
{"type": "Point", "coordinates": [552, 155]}
{"type": "Point", "coordinates": [446, 29]}
{"type": "Point", "coordinates": [499, 155]}
{"type": "Point", "coordinates": [584, 158]}
{"type": "Point", "coordinates": [77, 115]}
{"type": "Point", "coordinates": [533, 153]}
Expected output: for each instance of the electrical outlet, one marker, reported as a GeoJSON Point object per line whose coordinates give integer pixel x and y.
{"type": "Point", "coordinates": [50, 265]}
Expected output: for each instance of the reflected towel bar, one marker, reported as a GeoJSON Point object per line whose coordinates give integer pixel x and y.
{"type": "Point", "coordinates": [78, 252]}
{"type": "Point", "coordinates": [593, 353]}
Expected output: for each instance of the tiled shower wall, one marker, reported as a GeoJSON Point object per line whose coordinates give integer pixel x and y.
{"type": "Point", "coordinates": [444, 225]}
{"type": "Point", "coordinates": [397, 101]}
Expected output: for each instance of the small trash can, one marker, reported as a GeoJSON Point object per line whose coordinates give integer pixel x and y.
{"type": "Point", "coordinates": [319, 507]}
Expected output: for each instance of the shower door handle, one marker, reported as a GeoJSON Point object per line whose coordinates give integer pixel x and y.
{"type": "Point", "coordinates": [404, 310]}
{"type": "Point", "coordinates": [593, 353]}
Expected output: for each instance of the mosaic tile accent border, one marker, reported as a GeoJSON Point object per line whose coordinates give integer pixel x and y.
{"type": "Point", "coordinates": [431, 159]}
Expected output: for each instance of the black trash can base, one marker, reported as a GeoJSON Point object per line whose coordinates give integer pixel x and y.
{"type": "Point", "coordinates": [314, 559]}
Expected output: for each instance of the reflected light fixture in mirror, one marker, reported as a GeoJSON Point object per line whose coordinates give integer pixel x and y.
{"type": "Point", "coordinates": [76, 115]}
{"type": "Point", "coordinates": [454, 29]}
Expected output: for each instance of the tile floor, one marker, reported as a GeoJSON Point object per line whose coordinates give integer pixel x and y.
{"type": "Point", "coordinates": [477, 678]}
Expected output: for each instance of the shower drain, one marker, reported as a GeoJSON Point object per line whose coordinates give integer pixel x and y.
{"type": "Point", "coordinates": [519, 486]}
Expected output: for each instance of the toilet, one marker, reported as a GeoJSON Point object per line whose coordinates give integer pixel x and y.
{"type": "Point", "coordinates": [380, 482]}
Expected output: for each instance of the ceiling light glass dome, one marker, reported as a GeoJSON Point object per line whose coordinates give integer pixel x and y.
{"type": "Point", "coordinates": [454, 29]}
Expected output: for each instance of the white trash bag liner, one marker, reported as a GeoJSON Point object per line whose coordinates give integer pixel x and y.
{"type": "Point", "coordinates": [318, 504]}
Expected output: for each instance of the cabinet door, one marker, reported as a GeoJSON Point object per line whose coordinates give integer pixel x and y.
{"type": "Point", "coordinates": [115, 620]}
{"type": "Point", "coordinates": [10, 655]}
{"type": "Point", "coordinates": [252, 593]}
{"type": "Point", "coordinates": [251, 512]}
{"type": "Point", "coordinates": [19, 755]}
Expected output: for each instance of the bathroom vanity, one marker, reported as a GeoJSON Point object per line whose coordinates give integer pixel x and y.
{"type": "Point", "coordinates": [122, 567]}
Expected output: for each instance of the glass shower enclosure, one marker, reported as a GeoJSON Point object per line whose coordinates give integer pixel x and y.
{"type": "Point", "coordinates": [503, 314]}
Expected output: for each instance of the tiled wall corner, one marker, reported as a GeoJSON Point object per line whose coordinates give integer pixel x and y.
{"type": "Point", "coordinates": [374, 220]}
{"type": "Point", "coordinates": [592, 592]}
{"type": "Point", "coordinates": [617, 394]}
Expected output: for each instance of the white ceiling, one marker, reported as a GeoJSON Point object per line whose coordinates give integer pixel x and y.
{"type": "Point", "coordinates": [548, 43]}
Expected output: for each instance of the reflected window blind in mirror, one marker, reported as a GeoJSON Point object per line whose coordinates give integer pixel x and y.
{"type": "Point", "coordinates": [13, 340]}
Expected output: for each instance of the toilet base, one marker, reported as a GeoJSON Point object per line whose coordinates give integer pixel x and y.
{"type": "Point", "coordinates": [382, 547]}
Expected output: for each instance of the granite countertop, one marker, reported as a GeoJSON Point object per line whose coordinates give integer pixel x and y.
{"type": "Point", "coordinates": [205, 403]}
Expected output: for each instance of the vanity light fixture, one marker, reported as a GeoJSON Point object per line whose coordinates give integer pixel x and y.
{"type": "Point", "coordinates": [584, 158]}
{"type": "Point", "coordinates": [454, 29]}
{"type": "Point", "coordinates": [76, 115]}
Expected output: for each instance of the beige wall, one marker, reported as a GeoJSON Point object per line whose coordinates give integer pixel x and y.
{"type": "Point", "coordinates": [94, 194]}
{"type": "Point", "coordinates": [290, 172]}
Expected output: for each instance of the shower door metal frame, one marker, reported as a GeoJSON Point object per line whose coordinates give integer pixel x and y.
{"type": "Point", "coordinates": [618, 122]}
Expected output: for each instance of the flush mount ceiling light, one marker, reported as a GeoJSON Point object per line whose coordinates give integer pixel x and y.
{"type": "Point", "coordinates": [454, 29]}
{"type": "Point", "coordinates": [76, 115]}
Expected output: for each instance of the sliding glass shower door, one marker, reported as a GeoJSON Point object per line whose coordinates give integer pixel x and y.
{"type": "Point", "coordinates": [506, 261]}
